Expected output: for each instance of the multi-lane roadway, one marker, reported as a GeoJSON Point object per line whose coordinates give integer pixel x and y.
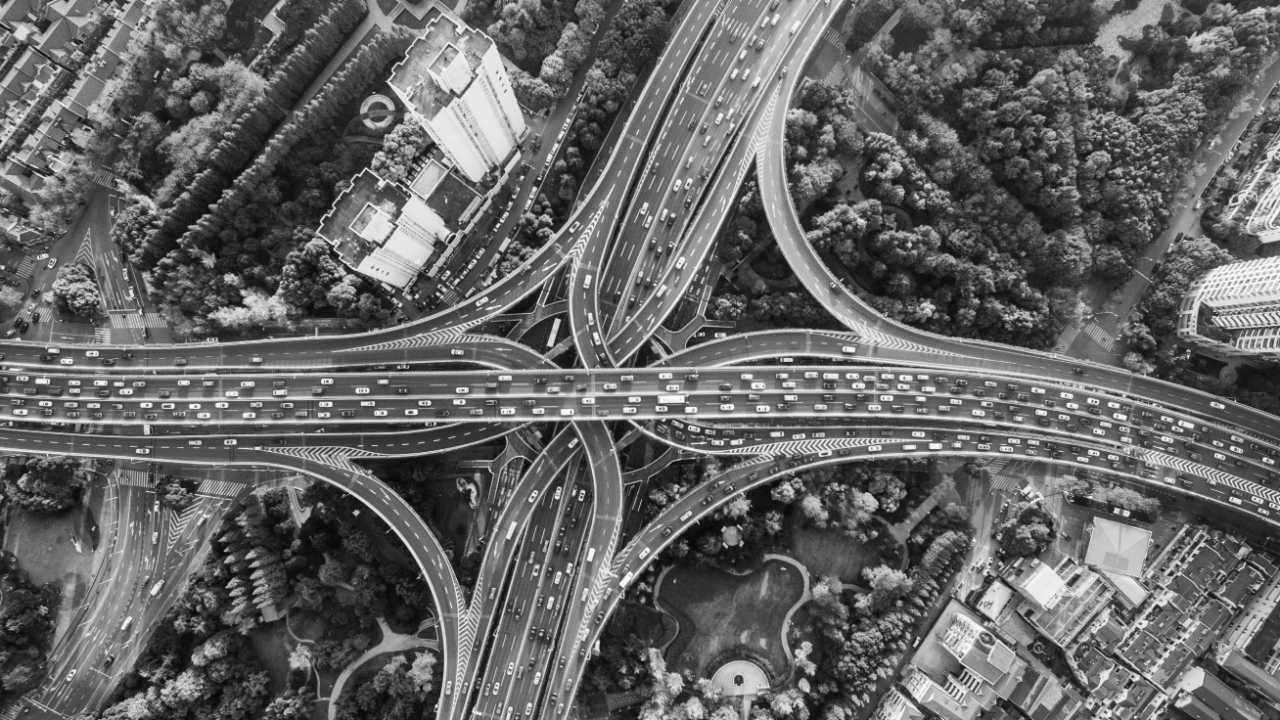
{"type": "Point", "coordinates": [516, 643]}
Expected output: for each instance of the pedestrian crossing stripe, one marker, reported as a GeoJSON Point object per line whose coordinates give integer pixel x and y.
{"type": "Point", "coordinates": [1065, 339]}
{"type": "Point", "coordinates": [832, 37]}
{"type": "Point", "coordinates": [132, 478]}
{"type": "Point", "coordinates": [26, 268]}
{"type": "Point", "coordinates": [220, 488]}
{"type": "Point", "coordinates": [135, 320]}
{"type": "Point", "coordinates": [1100, 335]}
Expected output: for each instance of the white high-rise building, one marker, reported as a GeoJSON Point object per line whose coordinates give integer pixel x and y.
{"type": "Point", "coordinates": [453, 81]}
{"type": "Point", "coordinates": [1235, 310]}
{"type": "Point", "coordinates": [1256, 205]}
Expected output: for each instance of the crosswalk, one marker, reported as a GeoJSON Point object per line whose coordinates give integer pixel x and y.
{"type": "Point", "coordinates": [132, 478]}
{"type": "Point", "coordinates": [134, 320]}
{"type": "Point", "coordinates": [831, 36]}
{"type": "Point", "coordinates": [220, 488]}
{"type": "Point", "coordinates": [1065, 338]}
{"type": "Point", "coordinates": [836, 76]}
{"type": "Point", "coordinates": [1100, 336]}
{"type": "Point", "coordinates": [102, 334]}
{"type": "Point", "coordinates": [105, 178]}
{"type": "Point", "coordinates": [26, 268]}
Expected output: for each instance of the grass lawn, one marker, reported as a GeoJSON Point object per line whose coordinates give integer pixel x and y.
{"type": "Point", "coordinates": [718, 611]}
{"type": "Point", "coordinates": [272, 644]}
{"type": "Point", "coordinates": [829, 552]}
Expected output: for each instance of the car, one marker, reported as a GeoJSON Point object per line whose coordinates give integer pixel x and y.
{"type": "Point", "coordinates": [52, 262]}
{"type": "Point", "coordinates": [71, 674]}
{"type": "Point", "coordinates": [142, 451]}
{"type": "Point", "coordinates": [67, 361]}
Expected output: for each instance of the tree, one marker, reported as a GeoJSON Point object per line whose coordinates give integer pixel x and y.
{"type": "Point", "coordinates": [726, 307]}
{"type": "Point", "coordinates": [11, 296]}
{"type": "Point", "coordinates": [76, 291]}
{"type": "Point", "coordinates": [887, 587]}
{"type": "Point", "coordinates": [46, 485]}
{"type": "Point", "coordinates": [532, 92]}
{"type": "Point", "coordinates": [400, 148]}
{"type": "Point", "coordinates": [1125, 498]}
{"type": "Point", "coordinates": [176, 493]}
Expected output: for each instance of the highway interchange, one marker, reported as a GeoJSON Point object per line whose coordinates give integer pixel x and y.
{"type": "Point", "coordinates": [516, 644]}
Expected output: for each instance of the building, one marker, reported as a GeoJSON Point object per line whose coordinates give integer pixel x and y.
{"type": "Point", "coordinates": [895, 706]}
{"type": "Point", "coordinates": [1251, 674]}
{"type": "Point", "coordinates": [453, 81]}
{"type": "Point", "coordinates": [1037, 583]}
{"type": "Point", "coordinates": [1205, 697]}
{"type": "Point", "coordinates": [961, 669]}
{"type": "Point", "coordinates": [383, 231]}
{"type": "Point", "coordinates": [1117, 548]}
{"type": "Point", "coordinates": [1256, 205]}
{"type": "Point", "coordinates": [57, 58]}
{"type": "Point", "coordinates": [1234, 310]}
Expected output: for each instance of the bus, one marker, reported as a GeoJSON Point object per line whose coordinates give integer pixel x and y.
{"type": "Point", "coordinates": [671, 399]}
{"type": "Point", "coordinates": [511, 531]}
{"type": "Point", "coordinates": [555, 330]}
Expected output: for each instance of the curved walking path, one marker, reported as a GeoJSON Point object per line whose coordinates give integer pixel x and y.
{"type": "Point", "coordinates": [391, 642]}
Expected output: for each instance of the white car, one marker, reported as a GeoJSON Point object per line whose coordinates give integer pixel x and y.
{"type": "Point", "coordinates": [91, 353]}
{"type": "Point", "coordinates": [1217, 405]}
{"type": "Point", "coordinates": [539, 411]}
{"type": "Point", "coordinates": [411, 412]}
{"type": "Point", "coordinates": [230, 441]}
{"type": "Point", "coordinates": [52, 263]}
{"type": "Point", "coordinates": [462, 390]}
{"type": "Point", "coordinates": [143, 451]}
{"type": "Point", "coordinates": [203, 416]}
{"type": "Point", "coordinates": [628, 410]}
{"type": "Point", "coordinates": [67, 361]}
{"type": "Point", "coordinates": [379, 413]}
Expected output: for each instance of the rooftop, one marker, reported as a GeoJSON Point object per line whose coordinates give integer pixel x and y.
{"type": "Point", "coordinates": [1038, 583]}
{"type": "Point", "coordinates": [1117, 548]}
{"type": "Point", "coordinates": [444, 49]}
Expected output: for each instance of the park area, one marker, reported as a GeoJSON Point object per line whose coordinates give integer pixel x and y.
{"type": "Point", "coordinates": [718, 612]}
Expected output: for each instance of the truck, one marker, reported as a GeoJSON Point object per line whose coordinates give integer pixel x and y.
{"type": "Point", "coordinates": [671, 399]}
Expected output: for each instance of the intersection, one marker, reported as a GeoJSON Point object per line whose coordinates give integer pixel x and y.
{"type": "Point", "coordinates": [515, 645]}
